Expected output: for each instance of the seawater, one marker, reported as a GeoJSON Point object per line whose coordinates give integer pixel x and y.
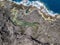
{"type": "Point", "coordinates": [17, 0]}
{"type": "Point", "coordinates": [52, 5]}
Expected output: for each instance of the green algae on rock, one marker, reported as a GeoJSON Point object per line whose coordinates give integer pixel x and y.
{"type": "Point", "coordinates": [14, 13]}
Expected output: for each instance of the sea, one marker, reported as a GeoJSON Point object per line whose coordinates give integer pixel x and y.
{"type": "Point", "coordinates": [53, 6]}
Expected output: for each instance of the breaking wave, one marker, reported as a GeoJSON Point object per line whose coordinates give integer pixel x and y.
{"type": "Point", "coordinates": [37, 4]}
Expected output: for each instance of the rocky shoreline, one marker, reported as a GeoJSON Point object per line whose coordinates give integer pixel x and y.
{"type": "Point", "coordinates": [21, 25]}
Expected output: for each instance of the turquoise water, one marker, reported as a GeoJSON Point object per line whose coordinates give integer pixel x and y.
{"type": "Point", "coordinates": [53, 5]}
{"type": "Point", "coordinates": [17, 0]}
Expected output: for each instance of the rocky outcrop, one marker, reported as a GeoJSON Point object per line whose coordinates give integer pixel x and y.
{"type": "Point", "coordinates": [18, 27]}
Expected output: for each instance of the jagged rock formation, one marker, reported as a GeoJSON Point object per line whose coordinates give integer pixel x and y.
{"type": "Point", "coordinates": [21, 25]}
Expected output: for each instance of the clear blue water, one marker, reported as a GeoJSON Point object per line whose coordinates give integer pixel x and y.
{"type": "Point", "coordinates": [17, 0]}
{"type": "Point", "coordinates": [53, 5]}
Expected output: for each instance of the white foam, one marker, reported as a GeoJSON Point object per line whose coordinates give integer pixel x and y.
{"type": "Point", "coordinates": [37, 4]}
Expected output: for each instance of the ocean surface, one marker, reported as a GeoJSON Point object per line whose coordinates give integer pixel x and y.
{"type": "Point", "coordinates": [51, 5]}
